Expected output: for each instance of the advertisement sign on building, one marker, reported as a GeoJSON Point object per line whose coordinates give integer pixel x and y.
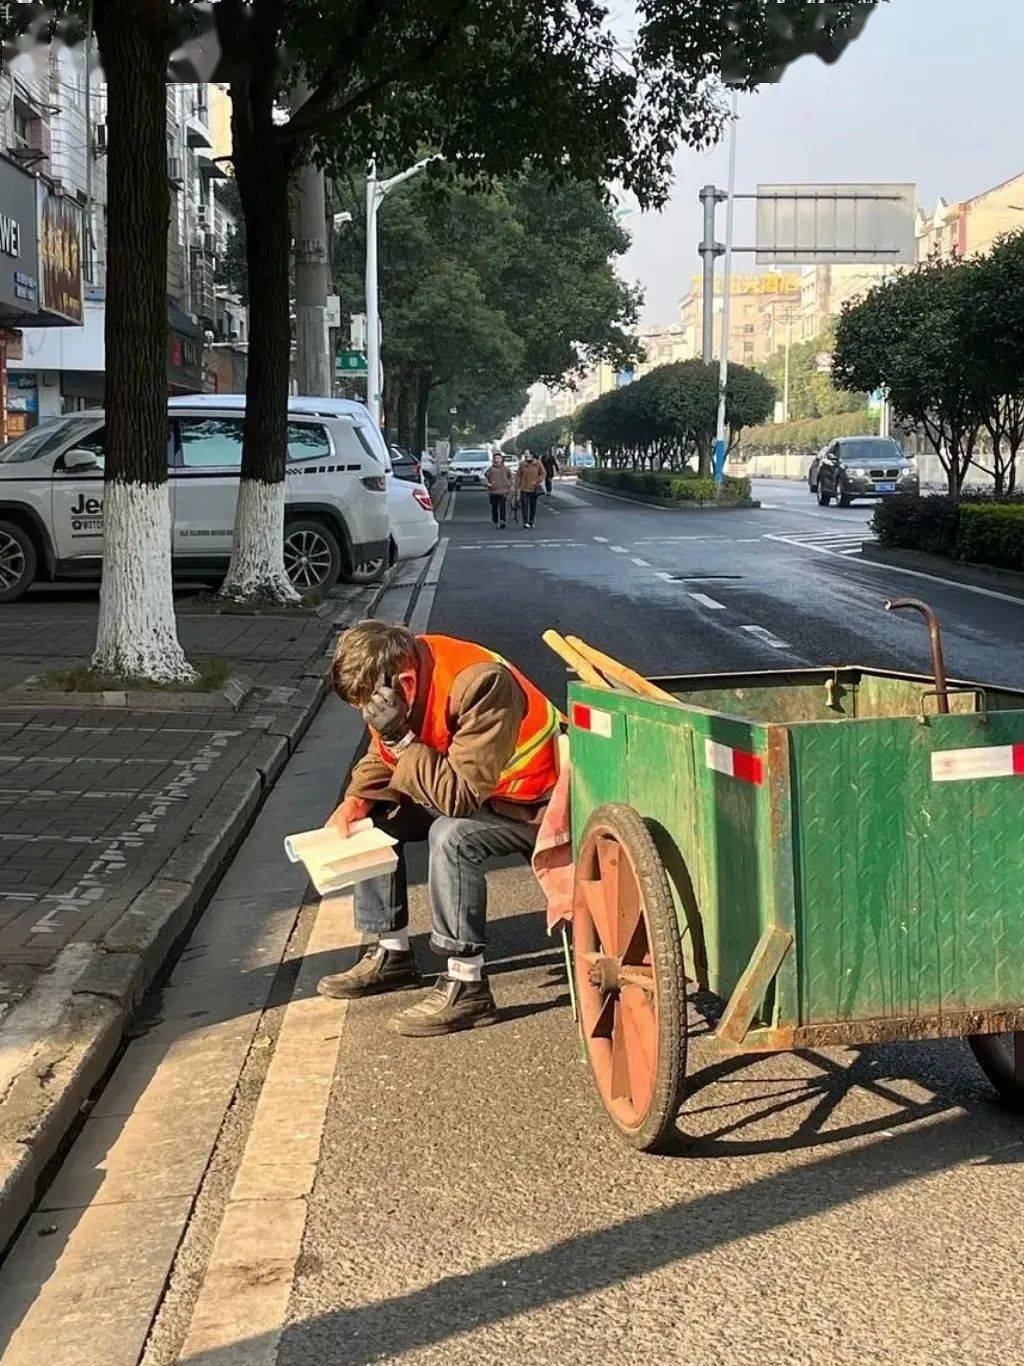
{"type": "Point", "coordinates": [18, 240]}
{"type": "Point", "coordinates": [60, 256]}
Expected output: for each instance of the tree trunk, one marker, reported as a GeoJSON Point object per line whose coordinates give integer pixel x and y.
{"type": "Point", "coordinates": [137, 635]}
{"type": "Point", "coordinates": [404, 394]}
{"type": "Point", "coordinates": [262, 169]}
{"type": "Point", "coordinates": [313, 364]}
{"type": "Point", "coordinates": [424, 385]}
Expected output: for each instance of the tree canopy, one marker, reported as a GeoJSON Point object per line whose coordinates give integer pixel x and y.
{"type": "Point", "coordinates": [811, 391]}
{"type": "Point", "coordinates": [484, 293]}
{"type": "Point", "coordinates": [666, 418]}
{"type": "Point", "coordinates": [939, 339]}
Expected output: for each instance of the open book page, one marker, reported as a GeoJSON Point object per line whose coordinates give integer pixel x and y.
{"type": "Point", "coordinates": [334, 862]}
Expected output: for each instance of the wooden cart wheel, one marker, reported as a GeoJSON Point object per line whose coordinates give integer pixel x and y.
{"type": "Point", "coordinates": [630, 983]}
{"type": "Point", "coordinates": [1002, 1059]}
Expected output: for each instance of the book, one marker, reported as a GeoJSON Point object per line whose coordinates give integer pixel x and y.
{"type": "Point", "coordinates": [334, 862]}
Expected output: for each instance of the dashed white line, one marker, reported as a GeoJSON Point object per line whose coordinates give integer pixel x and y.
{"type": "Point", "coordinates": [710, 603]}
{"type": "Point", "coordinates": [765, 636]}
{"type": "Point", "coordinates": [619, 549]}
{"type": "Point", "coordinates": [661, 574]}
{"type": "Point", "coordinates": [603, 540]}
{"type": "Point", "coordinates": [644, 564]}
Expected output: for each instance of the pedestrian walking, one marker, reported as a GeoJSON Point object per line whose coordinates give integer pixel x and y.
{"type": "Point", "coordinates": [550, 463]}
{"type": "Point", "coordinates": [529, 478]}
{"type": "Point", "coordinates": [463, 755]}
{"type": "Point", "coordinates": [499, 486]}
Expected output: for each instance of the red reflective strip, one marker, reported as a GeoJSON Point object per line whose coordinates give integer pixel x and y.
{"type": "Point", "coordinates": [749, 767]}
{"type": "Point", "coordinates": [581, 716]}
{"type": "Point", "coordinates": [1018, 760]}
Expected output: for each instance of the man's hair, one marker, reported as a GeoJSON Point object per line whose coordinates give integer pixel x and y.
{"type": "Point", "coordinates": [367, 653]}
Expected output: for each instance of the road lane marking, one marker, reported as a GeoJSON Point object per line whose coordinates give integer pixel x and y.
{"type": "Point", "coordinates": [766, 637]}
{"type": "Point", "coordinates": [662, 574]}
{"type": "Point", "coordinates": [602, 539]}
{"type": "Point", "coordinates": [705, 601]}
{"type": "Point", "coordinates": [619, 549]}
{"type": "Point", "coordinates": [644, 564]}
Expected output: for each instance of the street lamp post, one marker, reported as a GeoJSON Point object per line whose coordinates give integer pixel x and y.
{"type": "Point", "coordinates": [376, 192]}
{"type": "Point", "coordinates": [723, 365]}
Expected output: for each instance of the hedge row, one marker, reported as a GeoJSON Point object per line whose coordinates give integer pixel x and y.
{"type": "Point", "coordinates": [992, 534]}
{"type": "Point", "coordinates": [678, 488]}
{"type": "Point", "coordinates": [806, 433]}
{"type": "Point", "coordinates": [975, 527]}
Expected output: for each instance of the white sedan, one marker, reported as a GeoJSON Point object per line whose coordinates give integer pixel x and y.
{"type": "Point", "coordinates": [411, 514]}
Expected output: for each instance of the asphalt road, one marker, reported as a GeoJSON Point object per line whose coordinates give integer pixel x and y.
{"type": "Point", "coordinates": [836, 1207]}
{"type": "Point", "coordinates": [470, 1203]}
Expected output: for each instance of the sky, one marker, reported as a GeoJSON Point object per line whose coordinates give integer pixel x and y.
{"type": "Point", "coordinates": [931, 92]}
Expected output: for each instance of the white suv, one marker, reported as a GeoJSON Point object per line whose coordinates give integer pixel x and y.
{"type": "Point", "coordinates": [336, 519]}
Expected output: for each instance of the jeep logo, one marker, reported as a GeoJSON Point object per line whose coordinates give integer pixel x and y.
{"type": "Point", "coordinates": [87, 507]}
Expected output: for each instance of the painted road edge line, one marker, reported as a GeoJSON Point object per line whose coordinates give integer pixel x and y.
{"type": "Point", "coordinates": [264, 1221]}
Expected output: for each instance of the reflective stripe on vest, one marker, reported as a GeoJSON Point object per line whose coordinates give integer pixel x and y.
{"type": "Point", "coordinates": [532, 770]}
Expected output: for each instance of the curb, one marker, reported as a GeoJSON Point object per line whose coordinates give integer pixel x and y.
{"type": "Point", "coordinates": [956, 572]}
{"type": "Point", "coordinates": [229, 698]}
{"type": "Point", "coordinates": [67, 1031]}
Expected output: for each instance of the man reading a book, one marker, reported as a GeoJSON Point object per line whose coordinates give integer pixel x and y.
{"type": "Point", "coordinates": [463, 754]}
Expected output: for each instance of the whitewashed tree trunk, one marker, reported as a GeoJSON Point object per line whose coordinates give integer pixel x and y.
{"type": "Point", "coordinates": [257, 572]}
{"type": "Point", "coordinates": [137, 636]}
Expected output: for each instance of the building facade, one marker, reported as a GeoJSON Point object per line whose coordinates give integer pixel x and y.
{"type": "Point", "coordinates": [58, 115]}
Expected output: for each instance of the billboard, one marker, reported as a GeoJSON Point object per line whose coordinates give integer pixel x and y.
{"type": "Point", "coordinates": [18, 256]}
{"type": "Point", "coordinates": [60, 256]}
{"type": "Point", "coordinates": [868, 224]}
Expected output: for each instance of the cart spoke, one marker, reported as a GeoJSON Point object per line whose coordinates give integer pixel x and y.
{"type": "Point", "coordinates": [620, 1061]}
{"type": "Point", "coordinates": [609, 860]}
{"type": "Point", "coordinates": [598, 905]}
{"type": "Point", "coordinates": [640, 975]}
{"type": "Point", "coordinates": [640, 1035]}
{"type": "Point", "coordinates": [632, 935]}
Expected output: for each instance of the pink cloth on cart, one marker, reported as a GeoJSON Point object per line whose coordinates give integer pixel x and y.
{"type": "Point", "coordinates": [552, 855]}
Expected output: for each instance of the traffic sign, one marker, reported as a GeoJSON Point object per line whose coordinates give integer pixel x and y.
{"type": "Point", "coordinates": [350, 363]}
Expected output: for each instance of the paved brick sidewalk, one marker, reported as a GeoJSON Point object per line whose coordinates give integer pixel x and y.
{"type": "Point", "coordinates": [88, 800]}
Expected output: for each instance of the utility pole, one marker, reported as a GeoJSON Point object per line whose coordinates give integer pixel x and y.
{"type": "Point", "coordinates": [312, 274]}
{"type": "Point", "coordinates": [376, 192]}
{"type": "Point", "coordinates": [723, 365]}
{"type": "Point", "coordinates": [785, 386]}
{"type": "Point", "coordinates": [709, 249]}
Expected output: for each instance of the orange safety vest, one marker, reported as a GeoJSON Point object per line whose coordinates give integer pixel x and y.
{"type": "Point", "coordinates": [532, 771]}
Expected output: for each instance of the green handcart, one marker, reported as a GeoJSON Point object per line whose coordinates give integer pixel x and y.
{"type": "Point", "coordinates": [837, 853]}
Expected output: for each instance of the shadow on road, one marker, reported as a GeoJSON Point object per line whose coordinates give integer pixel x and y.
{"type": "Point", "coordinates": [635, 1247]}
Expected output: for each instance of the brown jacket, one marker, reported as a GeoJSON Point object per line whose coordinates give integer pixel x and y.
{"type": "Point", "coordinates": [530, 476]}
{"type": "Point", "coordinates": [498, 479]}
{"type": "Point", "coordinates": [487, 707]}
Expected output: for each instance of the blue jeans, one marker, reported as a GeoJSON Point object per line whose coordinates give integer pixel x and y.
{"type": "Point", "coordinates": [459, 851]}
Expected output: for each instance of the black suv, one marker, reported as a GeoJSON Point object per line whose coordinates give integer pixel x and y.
{"type": "Point", "coordinates": [862, 467]}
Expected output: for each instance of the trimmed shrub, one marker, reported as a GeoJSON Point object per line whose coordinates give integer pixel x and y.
{"type": "Point", "coordinates": [912, 521]}
{"type": "Point", "coordinates": [678, 488]}
{"type": "Point", "coordinates": [806, 433]}
{"type": "Point", "coordinates": [991, 533]}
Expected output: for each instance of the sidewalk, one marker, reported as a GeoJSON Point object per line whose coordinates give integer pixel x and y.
{"type": "Point", "coordinates": [115, 824]}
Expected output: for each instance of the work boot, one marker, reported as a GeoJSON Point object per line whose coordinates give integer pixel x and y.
{"type": "Point", "coordinates": [451, 1005]}
{"type": "Point", "coordinates": [378, 970]}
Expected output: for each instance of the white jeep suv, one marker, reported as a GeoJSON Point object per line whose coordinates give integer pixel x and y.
{"type": "Point", "coordinates": [336, 518]}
